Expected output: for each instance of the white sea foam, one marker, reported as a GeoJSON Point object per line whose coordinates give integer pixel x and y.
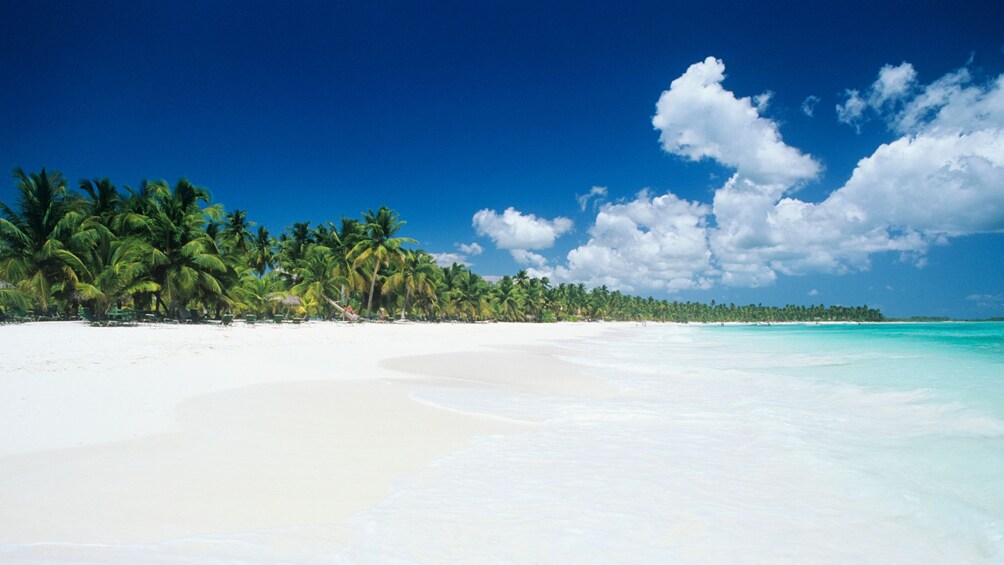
{"type": "Point", "coordinates": [709, 454]}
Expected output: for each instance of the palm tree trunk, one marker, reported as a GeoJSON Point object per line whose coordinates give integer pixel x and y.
{"type": "Point", "coordinates": [344, 300]}
{"type": "Point", "coordinates": [369, 302]}
{"type": "Point", "coordinates": [351, 317]}
{"type": "Point", "coordinates": [158, 301]}
{"type": "Point", "coordinates": [404, 307]}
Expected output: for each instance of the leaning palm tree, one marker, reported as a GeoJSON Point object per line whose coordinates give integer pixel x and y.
{"type": "Point", "coordinates": [319, 280]}
{"type": "Point", "coordinates": [379, 245]}
{"type": "Point", "coordinates": [36, 251]}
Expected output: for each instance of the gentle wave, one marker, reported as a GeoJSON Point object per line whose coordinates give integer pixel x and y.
{"type": "Point", "coordinates": [718, 449]}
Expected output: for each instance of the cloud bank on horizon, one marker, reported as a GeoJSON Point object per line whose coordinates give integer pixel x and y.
{"type": "Point", "coordinates": [942, 177]}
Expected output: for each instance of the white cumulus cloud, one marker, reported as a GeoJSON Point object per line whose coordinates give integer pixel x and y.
{"type": "Point", "coordinates": [596, 194]}
{"type": "Point", "coordinates": [890, 89]}
{"type": "Point", "coordinates": [936, 183]}
{"type": "Point", "coordinates": [473, 248]}
{"type": "Point", "coordinates": [762, 101]}
{"type": "Point", "coordinates": [893, 83]}
{"type": "Point", "coordinates": [953, 103]}
{"type": "Point", "coordinates": [467, 250]}
{"type": "Point", "coordinates": [514, 230]}
{"type": "Point", "coordinates": [698, 119]}
{"type": "Point", "coordinates": [448, 259]}
{"type": "Point", "coordinates": [649, 243]}
{"type": "Point", "coordinates": [852, 111]}
{"type": "Point", "coordinates": [940, 177]}
{"type": "Point", "coordinates": [809, 105]}
{"type": "Point", "coordinates": [943, 179]}
{"type": "Point", "coordinates": [524, 257]}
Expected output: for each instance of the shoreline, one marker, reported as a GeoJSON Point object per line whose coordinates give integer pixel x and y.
{"type": "Point", "coordinates": [453, 443]}
{"type": "Point", "coordinates": [186, 432]}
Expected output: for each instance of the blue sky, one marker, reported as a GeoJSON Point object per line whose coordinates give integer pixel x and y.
{"type": "Point", "coordinates": [448, 112]}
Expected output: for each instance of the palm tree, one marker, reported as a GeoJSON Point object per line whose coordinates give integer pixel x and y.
{"type": "Point", "coordinates": [105, 202]}
{"type": "Point", "coordinates": [508, 300]}
{"type": "Point", "coordinates": [176, 249]}
{"type": "Point", "coordinates": [262, 252]}
{"type": "Point", "coordinates": [293, 244]}
{"type": "Point", "coordinates": [35, 241]}
{"type": "Point", "coordinates": [184, 258]}
{"type": "Point", "coordinates": [119, 272]}
{"type": "Point", "coordinates": [417, 275]}
{"type": "Point", "coordinates": [257, 294]}
{"type": "Point", "coordinates": [318, 277]}
{"type": "Point", "coordinates": [535, 299]}
{"type": "Point", "coordinates": [522, 279]}
{"type": "Point", "coordinates": [342, 241]}
{"type": "Point", "coordinates": [11, 298]}
{"type": "Point", "coordinates": [467, 294]}
{"type": "Point", "coordinates": [236, 235]}
{"type": "Point", "coordinates": [379, 245]}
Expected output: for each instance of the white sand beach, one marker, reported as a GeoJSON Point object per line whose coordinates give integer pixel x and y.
{"type": "Point", "coordinates": [125, 437]}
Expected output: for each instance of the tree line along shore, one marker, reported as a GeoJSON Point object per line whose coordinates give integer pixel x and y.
{"type": "Point", "coordinates": [174, 254]}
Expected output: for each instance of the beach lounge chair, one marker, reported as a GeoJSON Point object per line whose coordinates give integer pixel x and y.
{"type": "Point", "coordinates": [119, 317]}
{"type": "Point", "coordinates": [250, 319]}
{"type": "Point", "coordinates": [227, 319]}
{"type": "Point", "coordinates": [89, 317]}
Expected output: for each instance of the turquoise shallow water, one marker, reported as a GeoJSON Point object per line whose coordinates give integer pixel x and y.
{"type": "Point", "coordinates": [801, 443]}
{"type": "Point", "coordinates": [912, 414]}
{"type": "Point", "coordinates": [961, 362]}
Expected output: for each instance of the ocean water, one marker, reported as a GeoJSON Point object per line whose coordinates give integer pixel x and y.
{"type": "Point", "coordinates": [822, 444]}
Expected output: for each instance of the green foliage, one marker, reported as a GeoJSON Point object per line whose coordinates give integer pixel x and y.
{"type": "Point", "coordinates": [260, 296]}
{"type": "Point", "coordinates": [174, 251]}
{"type": "Point", "coordinates": [377, 247]}
{"type": "Point", "coordinates": [37, 248]}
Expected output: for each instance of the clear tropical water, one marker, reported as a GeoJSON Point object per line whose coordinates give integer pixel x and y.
{"type": "Point", "coordinates": [872, 443]}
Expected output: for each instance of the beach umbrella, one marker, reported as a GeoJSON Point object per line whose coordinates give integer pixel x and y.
{"type": "Point", "coordinates": [288, 299]}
